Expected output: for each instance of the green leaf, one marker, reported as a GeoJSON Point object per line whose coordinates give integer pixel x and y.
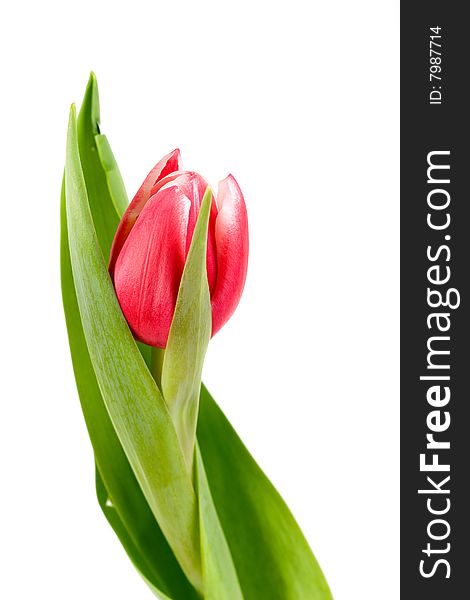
{"type": "Point", "coordinates": [272, 557]}
{"type": "Point", "coordinates": [219, 573]}
{"type": "Point", "coordinates": [137, 409]}
{"type": "Point", "coordinates": [97, 173]}
{"type": "Point", "coordinates": [189, 337]}
{"type": "Point", "coordinates": [133, 521]}
{"type": "Point", "coordinates": [130, 515]}
{"type": "Point", "coordinates": [114, 180]}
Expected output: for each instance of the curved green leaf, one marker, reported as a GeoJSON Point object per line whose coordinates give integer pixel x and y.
{"type": "Point", "coordinates": [272, 557]}
{"type": "Point", "coordinates": [132, 519]}
{"type": "Point", "coordinates": [219, 573]}
{"type": "Point", "coordinates": [96, 174]}
{"type": "Point", "coordinates": [189, 337]}
{"type": "Point", "coordinates": [113, 176]}
{"type": "Point", "coordinates": [137, 409]}
{"type": "Point", "coordinates": [138, 530]}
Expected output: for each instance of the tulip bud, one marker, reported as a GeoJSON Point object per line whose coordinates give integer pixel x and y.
{"type": "Point", "coordinates": [153, 240]}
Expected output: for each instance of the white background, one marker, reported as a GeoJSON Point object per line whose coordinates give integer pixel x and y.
{"type": "Point", "coordinates": [299, 100]}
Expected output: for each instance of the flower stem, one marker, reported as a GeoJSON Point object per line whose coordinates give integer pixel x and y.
{"type": "Point", "coordinates": [157, 356]}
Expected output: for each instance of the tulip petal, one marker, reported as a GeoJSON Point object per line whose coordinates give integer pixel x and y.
{"type": "Point", "coordinates": [168, 164]}
{"type": "Point", "coordinates": [211, 249]}
{"type": "Point", "coordinates": [194, 187]}
{"type": "Point", "coordinates": [149, 267]}
{"type": "Point", "coordinates": [231, 238]}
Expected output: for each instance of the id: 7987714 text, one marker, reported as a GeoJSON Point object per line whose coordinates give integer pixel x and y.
{"type": "Point", "coordinates": [435, 65]}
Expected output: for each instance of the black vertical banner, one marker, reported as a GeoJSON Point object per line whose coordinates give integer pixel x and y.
{"type": "Point", "coordinates": [435, 301]}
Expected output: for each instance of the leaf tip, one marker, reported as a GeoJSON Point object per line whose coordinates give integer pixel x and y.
{"type": "Point", "coordinates": [90, 110]}
{"type": "Point", "coordinates": [72, 117]}
{"type": "Point", "coordinates": [207, 199]}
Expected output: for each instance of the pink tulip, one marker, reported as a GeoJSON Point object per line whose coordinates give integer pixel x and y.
{"type": "Point", "coordinates": [153, 239]}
